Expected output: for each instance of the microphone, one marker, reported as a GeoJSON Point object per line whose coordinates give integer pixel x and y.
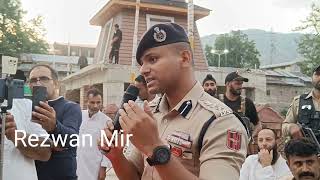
{"type": "Point", "coordinates": [131, 93]}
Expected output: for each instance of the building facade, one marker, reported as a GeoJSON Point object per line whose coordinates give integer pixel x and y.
{"type": "Point", "coordinates": [264, 87]}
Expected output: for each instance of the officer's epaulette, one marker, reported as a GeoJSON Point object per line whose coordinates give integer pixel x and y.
{"type": "Point", "coordinates": [214, 105]}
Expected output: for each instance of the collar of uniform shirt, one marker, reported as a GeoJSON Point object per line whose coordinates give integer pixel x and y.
{"type": "Point", "coordinates": [194, 94]}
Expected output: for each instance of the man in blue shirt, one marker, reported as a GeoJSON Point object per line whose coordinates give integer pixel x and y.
{"type": "Point", "coordinates": [58, 117]}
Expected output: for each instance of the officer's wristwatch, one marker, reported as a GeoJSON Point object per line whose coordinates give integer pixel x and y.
{"type": "Point", "coordinates": [161, 155]}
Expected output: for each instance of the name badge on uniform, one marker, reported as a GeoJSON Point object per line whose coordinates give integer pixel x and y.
{"type": "Point", "coordinates": [181, 135]}
{"type": "Point", "coordinates": [179, 141]}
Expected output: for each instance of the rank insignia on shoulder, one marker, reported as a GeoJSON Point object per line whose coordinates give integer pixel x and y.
{"type": "Point", "coordinates": [233, 140]}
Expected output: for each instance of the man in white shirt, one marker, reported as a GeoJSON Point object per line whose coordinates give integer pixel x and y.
{"type": "Point", "coordinates": [268, 163]}
{"type": "Point", "coordinates": [19, 160]}
{"type": "Point", "coordinates": [91, 164]}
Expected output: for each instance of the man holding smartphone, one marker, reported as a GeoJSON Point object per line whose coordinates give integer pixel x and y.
{"type": "Point", "coordinates": [18, 153]}
{"type": "Point", "coordinates": [58, 117]}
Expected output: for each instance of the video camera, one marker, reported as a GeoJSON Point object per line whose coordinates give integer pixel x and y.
{"type": "Point", "coordinates": [9, 89]}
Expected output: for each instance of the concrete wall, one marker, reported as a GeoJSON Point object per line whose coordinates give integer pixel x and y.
{"type": "Point", "coordinates": [114, 77]}
{"type": "Point", "coordinates": [281, 96]}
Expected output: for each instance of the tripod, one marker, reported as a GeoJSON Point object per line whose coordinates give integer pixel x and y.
{"type": "Point", "coordinates": [3, 130]}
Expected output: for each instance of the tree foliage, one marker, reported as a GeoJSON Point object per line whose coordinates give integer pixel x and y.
{"type": "Point", "coordinates": [17, 35]}
{"type": "Point", "coordinates": [242, 53]}
{"type": "Point", "coordinates": [309, 44]}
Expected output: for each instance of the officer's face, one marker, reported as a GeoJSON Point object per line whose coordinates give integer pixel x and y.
{"type": "Point", "coordinates": [210, 87]}
{"type": "Point", "coordinates": [316, 80]}
{"type": "Point", "coordinates": [161, 68]}
{"type": "Point", "coordinates": [303, 168]}
{"type": "Point", "coordinates": [266, 139]}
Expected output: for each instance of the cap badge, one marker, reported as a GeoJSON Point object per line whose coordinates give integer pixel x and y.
{"type": "Point", "coordinates": [159, 35]}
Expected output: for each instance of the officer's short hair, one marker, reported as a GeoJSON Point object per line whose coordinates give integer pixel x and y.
{"type": "Point", "coordinates": [94, 92]}
{"type": "Point", "coordinates": [182, 46]}
{"type": "Point", "coordinates": [141, 79]}
{"type": "Point", "coordinates": [54, 73]}
{"type": "Point", "coordinates": [209, 77]}
{"type": "Point", "coordinates": [116, 25]}
{"type": "Point", "coordinates": [300, 147]}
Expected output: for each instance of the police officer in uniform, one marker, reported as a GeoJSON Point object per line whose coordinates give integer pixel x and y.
{"type": "Point", "coordinates": [304, 110]}
{"type": "Point", "coordinates": [190, 134]}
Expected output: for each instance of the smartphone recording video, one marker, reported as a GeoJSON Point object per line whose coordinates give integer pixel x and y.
{"type": "Point", "coordinates": [39, 93]}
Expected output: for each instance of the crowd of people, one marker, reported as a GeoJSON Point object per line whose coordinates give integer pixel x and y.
{"type": "Point", "coordinates": [181, 129]}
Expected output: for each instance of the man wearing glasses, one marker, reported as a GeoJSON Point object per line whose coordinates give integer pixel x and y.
{"type": "Point", "coordinates": [304, 110]}
{"type": "Point", "coordinates": [58, 117]}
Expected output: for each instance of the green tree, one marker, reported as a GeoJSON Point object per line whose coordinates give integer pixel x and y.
{"type": "Point", "coordinates": [309, 44]}
{"type": "Point", "coordinates": [18, 36]}
{"type": "Point", "coordinates": [210, 56]}
{"type": "Point", "coordinates": [242, 53]}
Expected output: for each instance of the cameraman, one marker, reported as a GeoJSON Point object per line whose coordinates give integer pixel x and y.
{"type": "Point", "coordinates": [58, 117]}
{"type": "Point", "coordinates": [19, 156]}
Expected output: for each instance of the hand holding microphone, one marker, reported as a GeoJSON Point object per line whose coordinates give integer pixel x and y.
{"type": "Point", "coordinates": [138, 123]}
{"type": "Point", "coordinates": [131, 93]}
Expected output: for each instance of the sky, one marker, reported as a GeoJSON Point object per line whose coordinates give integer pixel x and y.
{"type": "Point", "coordinates": [68, 20]}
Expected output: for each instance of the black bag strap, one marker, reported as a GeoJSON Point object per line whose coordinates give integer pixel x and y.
{"type": "Point", "coordinates": [246, 126]}
{"type": "Point", "coordinates": [203, 131]}
{"type": "Point", "coordinates": [207, 124]}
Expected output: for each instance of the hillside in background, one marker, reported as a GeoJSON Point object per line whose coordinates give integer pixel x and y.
{"type": "Point", "coordinates": [284, 45]}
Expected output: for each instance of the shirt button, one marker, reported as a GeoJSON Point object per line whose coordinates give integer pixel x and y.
{"type": "Point", "coordinates": [165, 121]}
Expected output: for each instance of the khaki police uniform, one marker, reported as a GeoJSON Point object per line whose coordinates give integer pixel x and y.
{"type": "Point", "coordinates": [224, 145]}
{"type": "Point", "coordinates": [292, 114]}
{"type": "Point", "coordinates": [154, 102]}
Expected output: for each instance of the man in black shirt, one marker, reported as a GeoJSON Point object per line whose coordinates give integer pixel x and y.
{"type": "Point", "coordinates": [239, 104]}
{"type": "Point", "coordinates": [116, 41]}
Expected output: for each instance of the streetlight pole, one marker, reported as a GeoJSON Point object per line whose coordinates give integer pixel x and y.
{"type": "Point", "coordinates": [219, 53]}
